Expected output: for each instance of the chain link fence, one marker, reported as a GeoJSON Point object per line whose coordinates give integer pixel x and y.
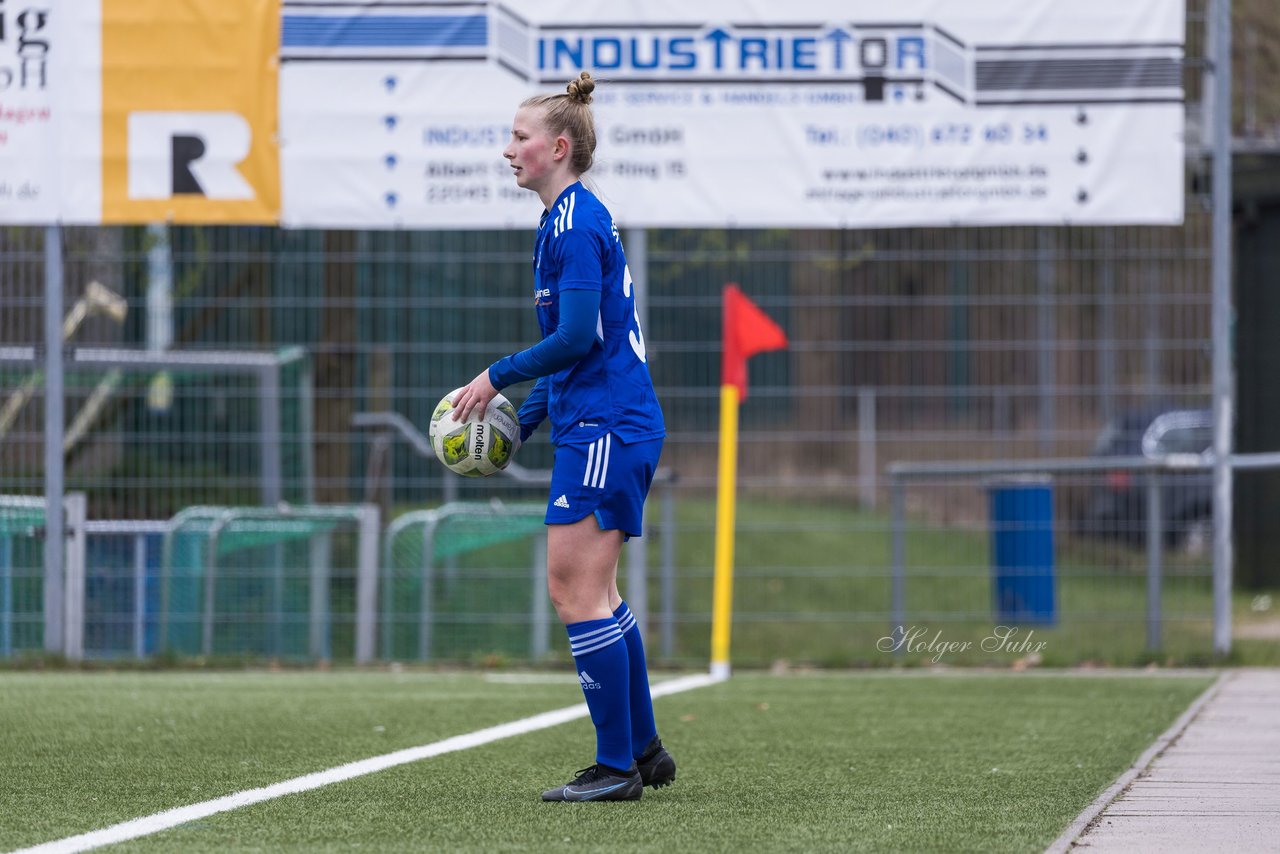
{"type": "Point", "coordinates": [226, 365]}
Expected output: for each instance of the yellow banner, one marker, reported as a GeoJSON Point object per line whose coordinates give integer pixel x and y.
{"type": "Point", "coordinates": [189, 111]}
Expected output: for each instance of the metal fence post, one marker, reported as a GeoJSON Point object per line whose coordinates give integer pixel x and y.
{"type": "Point", "coordinates": [269, 433]}
{"type": "Point", "coordinates": [54, 426]}
{"type": "Point", "coordinates": [867, 447]}
{"type": "Point", "coordinates": [210, 589]}
{"type": "Point", "coordinates": [306, 431]}
{"type": "Point", "coordinates": [1223, 382]}
{"type": "Point", "coordinates": [898, 594]}
{"type": "Point", "coordinates": [367, 583]}
{"type": "Point", "coordinates": [1046, 336]}
{"type": "Point", "coordinates": [139, 595]}
{"type": "Point", "coordinates": [1155, 558]}
{"type": "Point", "coordinates": [320, 550]}
{"type": "Point", "coordinates": [638, 264]}
{"type": "Point", "coordinates": [668, 572]}
{"type": "Point", "coordinates": [1107, 328]}
{"type": "Point", "coordinates": [73, 592]}
{"type": "Point", "coordinates": [638, 580]}
{"type": "Point", "coordinates": [386, 588]}
{"type": "Point", "coordinates": [425, 617]}
{"type": "Point", "coordinates": [6, 596]}
{"type": "Point", "coordinates": [539, 614]}
{"type": "Point", "coordinates": [638, 549]}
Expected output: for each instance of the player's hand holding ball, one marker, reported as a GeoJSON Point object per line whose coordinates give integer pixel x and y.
{"type": "Point", "coordinates": [483, 442]}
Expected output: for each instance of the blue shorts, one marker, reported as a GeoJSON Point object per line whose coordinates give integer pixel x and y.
{"type": "Point", "coordinates": [607, 478]}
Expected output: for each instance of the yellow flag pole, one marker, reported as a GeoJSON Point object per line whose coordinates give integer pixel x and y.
{"type": "Point", "coordinates": [726, 492]}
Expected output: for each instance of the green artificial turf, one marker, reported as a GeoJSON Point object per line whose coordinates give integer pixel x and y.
{"type": "Point", "coordinates": [815, 762]}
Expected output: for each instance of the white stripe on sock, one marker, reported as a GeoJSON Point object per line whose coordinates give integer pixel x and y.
{"type": "Point", "coordinates": [601, 645]}
{"type": "Point", "coordinates": [582, 636]}
{"type": "Point", "coordinates": [607, 639]}
{"type": "Point", "coordinates": [594, 637]}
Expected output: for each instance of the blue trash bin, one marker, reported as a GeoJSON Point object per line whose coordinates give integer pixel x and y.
{"type": "Point", "coordinates": [1022, 550]}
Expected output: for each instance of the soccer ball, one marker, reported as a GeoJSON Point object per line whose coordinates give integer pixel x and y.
{"type": "Point", "coordinates": [480, 447]}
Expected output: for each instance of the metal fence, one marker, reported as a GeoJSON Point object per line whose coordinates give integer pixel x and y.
{"type": "Point", "coordinates": [220, 365]}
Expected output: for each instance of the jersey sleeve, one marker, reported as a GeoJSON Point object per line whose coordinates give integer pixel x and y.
{"type": "Point", "coordinates": [574, 335]}
{"type": "Point", "coordinates": [581, 259]}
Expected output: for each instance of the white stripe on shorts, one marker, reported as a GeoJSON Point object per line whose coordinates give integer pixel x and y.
{"type": "Point", "coordinates": [604, 470]}
{"type": "Point", "coordinates": [591, 455]}
{"type": "Point", "coordinates": [597, 462]}
{"type": "Point", "coordinates": [597, 470]}
{"type": "Point", "coordinates": [594, 471]}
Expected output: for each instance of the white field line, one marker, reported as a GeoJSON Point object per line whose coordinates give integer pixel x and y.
{"type": "Point", "coordinates": [148, 825]}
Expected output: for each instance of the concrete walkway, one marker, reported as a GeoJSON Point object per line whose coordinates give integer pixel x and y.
{"type": "Point", "coordinates": [1216, 787]}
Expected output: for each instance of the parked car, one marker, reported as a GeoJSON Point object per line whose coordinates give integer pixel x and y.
{"type": "Point", "coordinates": [1116, 507]}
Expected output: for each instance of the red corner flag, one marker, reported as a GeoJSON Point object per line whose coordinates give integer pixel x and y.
{"type": "Point", "coordinates": [747, 331]}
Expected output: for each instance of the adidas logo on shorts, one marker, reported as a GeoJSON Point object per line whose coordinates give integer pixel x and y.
{"type": "Point", "coordinates": [562, 501]}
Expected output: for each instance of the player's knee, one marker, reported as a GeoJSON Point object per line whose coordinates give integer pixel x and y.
{"type": "Point", "coordinates": [559, 592]}
{"type": "Point", "coordinates": [574, 597]}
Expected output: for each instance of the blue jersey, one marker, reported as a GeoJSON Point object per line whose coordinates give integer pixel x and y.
{"type": "Point", "coordinates": [609, 390]}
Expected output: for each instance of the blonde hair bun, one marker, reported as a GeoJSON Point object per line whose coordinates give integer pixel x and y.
{"type": "Point", "coordinates": [581, 87]}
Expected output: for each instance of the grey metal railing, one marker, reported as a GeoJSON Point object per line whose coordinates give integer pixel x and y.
{"type": "Point", "coordinates": [901, 472]}
{"type": "Point", "coordinates": [637, 550]}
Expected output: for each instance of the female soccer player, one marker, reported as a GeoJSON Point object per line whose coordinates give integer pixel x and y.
{"type": "Point", "coordinates": [593, 384]}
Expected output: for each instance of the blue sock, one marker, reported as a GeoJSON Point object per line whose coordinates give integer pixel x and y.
{"type": "Point", "coordinates": [600, 655]}
{"type": "Point", "coordinates": [643, 729]}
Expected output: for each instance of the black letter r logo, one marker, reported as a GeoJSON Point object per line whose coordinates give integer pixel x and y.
{"type": "Point", "coordinates": [186, 150]}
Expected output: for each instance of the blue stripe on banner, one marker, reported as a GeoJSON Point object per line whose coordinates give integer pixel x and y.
{"type": "Point", "coordinates": [385, 31]}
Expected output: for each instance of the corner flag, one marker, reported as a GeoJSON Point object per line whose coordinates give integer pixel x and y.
{"type": "Point", "coordinates": [746, 331]}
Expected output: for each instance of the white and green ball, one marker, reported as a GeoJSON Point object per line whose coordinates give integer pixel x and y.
{"type": "Point", "coordinates": [480, 446]}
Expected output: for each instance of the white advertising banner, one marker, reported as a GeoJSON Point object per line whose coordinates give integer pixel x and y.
{"type": "Point", "coordinates": [50, 117]}
{"type": "Point", "coordinates": [813, 113]}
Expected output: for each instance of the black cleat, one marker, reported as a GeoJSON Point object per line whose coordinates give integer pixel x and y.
{"type": "Point", "coordinates": [657, 767]}
{"type": "Point", "coordinates": [599, 783]}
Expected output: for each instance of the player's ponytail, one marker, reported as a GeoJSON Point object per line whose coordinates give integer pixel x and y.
{"type": "Point", "coordinates": [570, 114]}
